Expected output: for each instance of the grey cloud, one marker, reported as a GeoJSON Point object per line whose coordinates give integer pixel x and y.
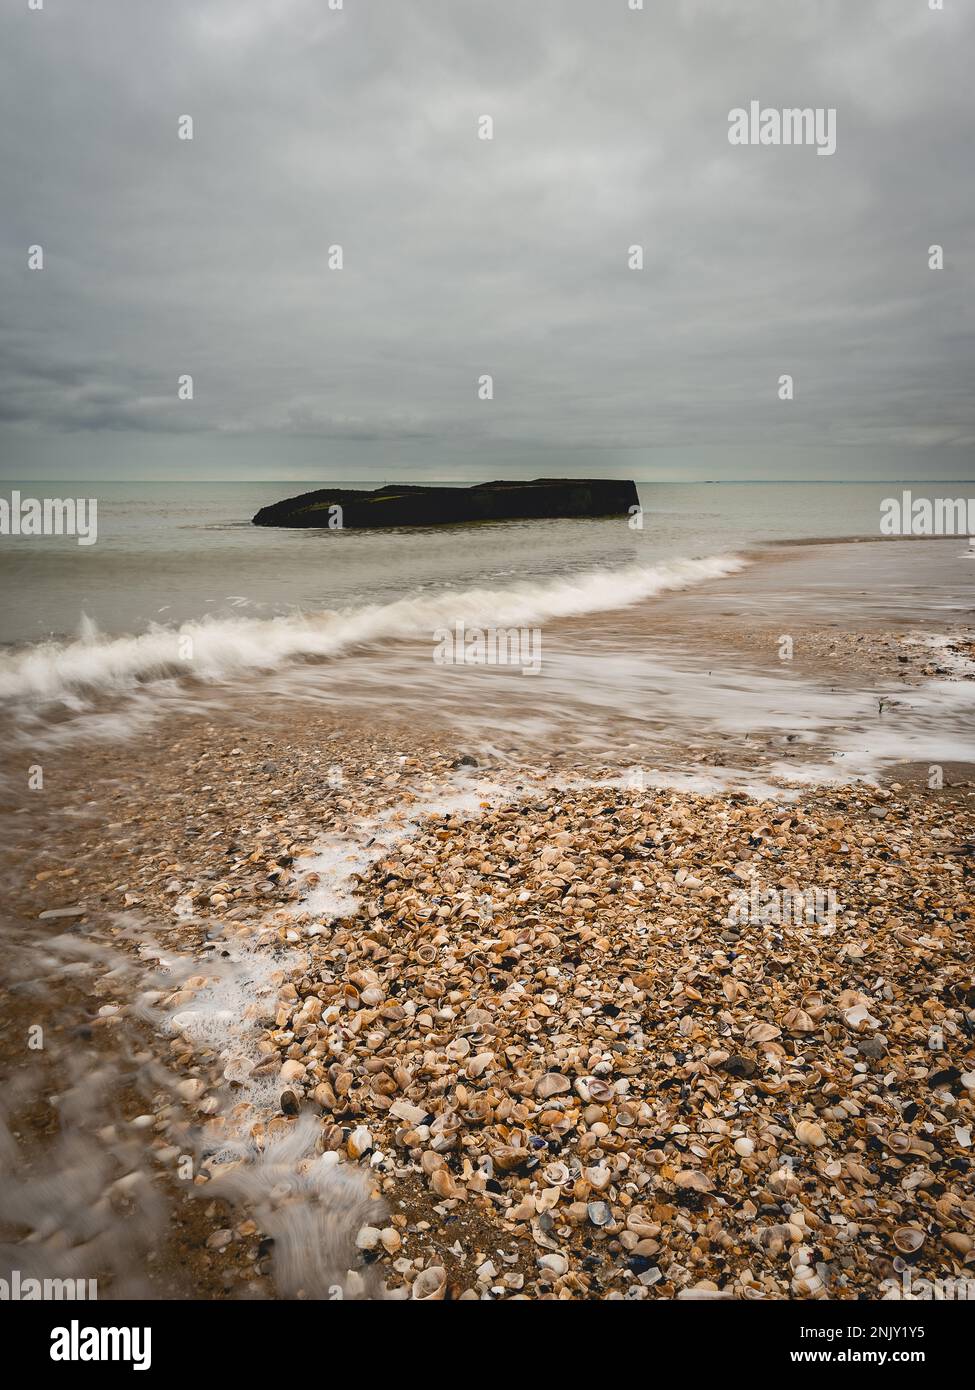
{"type": "Point", "coordinates": [463, 257]}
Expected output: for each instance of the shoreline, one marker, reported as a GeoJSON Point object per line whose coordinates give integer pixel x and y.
{"type": "Point", "coordinates": [262, 803]}
{"type": "Point", "coordinates": [334, 996]}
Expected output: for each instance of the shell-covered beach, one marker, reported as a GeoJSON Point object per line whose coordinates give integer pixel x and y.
{"type": "Point", "coordinates": [337, 1005]}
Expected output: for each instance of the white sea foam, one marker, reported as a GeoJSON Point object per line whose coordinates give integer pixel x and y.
{"type": "Point", "coordinates": [221, 649]}
{"type": "Point", "coordinates": [336, 861]}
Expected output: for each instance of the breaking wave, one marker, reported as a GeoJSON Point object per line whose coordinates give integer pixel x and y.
{"type": "Point", "coordinates": [219, 649]}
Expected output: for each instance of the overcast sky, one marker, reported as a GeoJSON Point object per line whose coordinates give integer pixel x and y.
{"type": "Point", "coordinates": [464, 256]}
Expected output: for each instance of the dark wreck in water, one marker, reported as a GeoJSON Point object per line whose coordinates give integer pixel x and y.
{"type": "Point", "coordinates": [407, 504]}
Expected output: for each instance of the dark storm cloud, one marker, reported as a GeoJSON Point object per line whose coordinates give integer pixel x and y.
{"type": "Point", "coordinates": [359, 127]}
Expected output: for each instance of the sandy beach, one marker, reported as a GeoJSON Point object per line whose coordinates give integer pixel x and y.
{"type": "Point", "coordinates": [392, 1011]}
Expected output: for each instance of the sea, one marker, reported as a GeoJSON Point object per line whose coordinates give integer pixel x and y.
{"type": "Point", "coordinates": [182, 601]}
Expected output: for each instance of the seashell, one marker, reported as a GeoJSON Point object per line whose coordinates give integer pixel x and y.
{"type": "Point", "coordinates": [555, 1263]}
{"type": "Point", "coordinates": [798, 1021]}
{"type": "Point", "coordinates": [556, 1174]}
{"type": "Point", "coordinates": [408, 1113]}
{"type": "Point", "coordinates": [908, 1239]}
{"type": "Point", "coordinates": [430, 1284]}
{"type": "Point", "coordinates": [359, 1142]}
{"type": "Point", "coordinates": [811, 1134]}
{"type": "Point", "coordinates": [238, 1069]}
{"type": "Point", "coordinates": [693, 1180]}
{"type": "Point", "coordinates": [479, 1064]}
{"type": "Point", "coordinates": [591, 1088]}
{"type": "Point", "coordinates": [959, 1242]}
{"type": "Point", "coordinates": [368, 1238]}
{"type": "Point", "coordinates": [600, 1213]}
{"type": "Point", "coordinates": [763, 1032]}
{"type": "Point", "coordinates": [445, 1186]}
{"type": "Point", "coordinates": [185, 1022]}
{"type": "Point", "coordinates": [508, 1157]}
{"type": "Point", "coordinates": [860, 1019]}
{"type": "Point", "coordinates": [479, 1110]}
{"type": "Point", "coordinates": [745, 1147]}
{"type": "Point", "coordinates": [806, 1281]}
{"type": "Point", "coordinates": [548, 1198]}
{"type": "Point", "coordinates": [552, 1084]}
{"type": "Point", "coordinates": [598, 1177]}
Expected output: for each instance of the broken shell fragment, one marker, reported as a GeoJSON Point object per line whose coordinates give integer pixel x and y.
{"type": "Point", "coordinates": [811, 1134]}
{"type": "Point", "coordinates": [908, 1239]}
{"type": "Point", "coordinates": [693, 1180]}
{"type": "Point", "coordinates": [430, 1284]}
{"type": "Point", "coordinates": [552, 1084]}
